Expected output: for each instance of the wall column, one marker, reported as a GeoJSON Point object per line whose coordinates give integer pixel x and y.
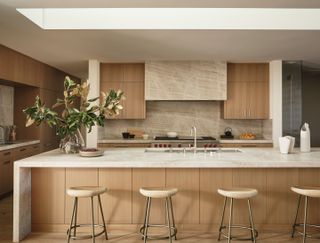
{"type": "Point", "coordinates": [276, 100]}
{"type": "Point", "coordinates": [94, 81]}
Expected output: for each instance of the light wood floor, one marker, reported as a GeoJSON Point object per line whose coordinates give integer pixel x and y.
{"type": "Point", "coordinates": [6, 234]}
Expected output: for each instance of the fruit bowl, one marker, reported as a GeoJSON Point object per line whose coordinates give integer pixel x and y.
{"type": "Point", "coordinates": [91, 152]}
{"type": "Point", "coordinates": [248, 136]}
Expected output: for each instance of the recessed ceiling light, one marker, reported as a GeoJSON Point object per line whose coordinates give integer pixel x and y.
{"type": "Point", "coordinates": [174, 18]}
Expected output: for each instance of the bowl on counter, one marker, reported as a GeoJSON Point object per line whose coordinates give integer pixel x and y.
{"type": "Point", "coordinates": [172, 134]}
{"type": "Point", "coordinates": [145, 136]}
{"type": "Point", "coordinates": [125, 135]}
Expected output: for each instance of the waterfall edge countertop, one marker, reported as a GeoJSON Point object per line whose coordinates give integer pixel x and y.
{"type": "Point", "coordinates": [138, 158]}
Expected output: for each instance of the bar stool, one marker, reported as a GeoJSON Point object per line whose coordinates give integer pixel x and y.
{"type": "Point", "coordinates": [237, 193]}
{"type": "Point", "coordinates": [165, 193]}
{"type": "Point", "coordinates": [305, 192]}
{"type": "Point", "coordinates": [82, 192]}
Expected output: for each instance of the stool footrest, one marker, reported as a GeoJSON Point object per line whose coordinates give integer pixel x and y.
{"type": "Point", "coordinates": [238, 227]}
{"type": "Point", "coordinates": [83, 237]}
{"type": "Point", "coordinates": [314, 235]}
{"type": "Point", "coordinates": [173, 231]}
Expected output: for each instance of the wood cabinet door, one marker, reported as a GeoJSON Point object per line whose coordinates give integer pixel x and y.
{"type": "Point", "coordinates": [134, 106]}
{"type": "Point", "coordinates": [258, 100]}
{"type": "Point", "coordinates": [235, 107]}
{"type": "Point", "coordinates": [6, 171]}
{"type": "Point", "coordinates": [111, 72]}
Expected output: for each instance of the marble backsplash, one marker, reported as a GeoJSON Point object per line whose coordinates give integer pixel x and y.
{"type": "Point", "coordinates": [6, 105]}
{"type": "Point", "coordinates": [180, 116]}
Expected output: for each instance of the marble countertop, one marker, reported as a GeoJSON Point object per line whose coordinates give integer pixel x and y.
{"type": "Point", "coordinates": [138, 158]}
{"type": "Point", "coordinates": [137, 140]}
{"type": "Point", "coordinates": [17, 144]}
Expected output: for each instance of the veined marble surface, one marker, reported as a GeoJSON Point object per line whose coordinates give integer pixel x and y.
{"type": "Point", "coordinates": [186, 80]}
{"type": "Point", "coordinates": [6, 105]}
{"type": "Point", "coordinates": [18, 144]}
{"type": "Point", "coordinates": [138, 158]}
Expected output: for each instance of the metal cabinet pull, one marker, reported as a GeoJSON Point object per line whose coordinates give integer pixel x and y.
{"type": "Point", "coordinates": [6, 153]}
{"type": "Point", "coordinates": [6, 162]}
{"type": "Point", "coordinates": [23, 149]}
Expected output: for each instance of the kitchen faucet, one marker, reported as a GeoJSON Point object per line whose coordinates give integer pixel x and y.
{"type": "Point", "coordinates": [194, 133]}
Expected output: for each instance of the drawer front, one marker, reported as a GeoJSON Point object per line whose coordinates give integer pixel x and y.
{"type": "Point", "coordinates": [5, 155]}
{"type": "Point", "coordinates": [26, 151]}
{"type": "Point", "coordinates": [124, 145]}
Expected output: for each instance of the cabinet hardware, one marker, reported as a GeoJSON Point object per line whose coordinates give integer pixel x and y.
{"type": "Point", "coordinates": [6, 153]}
{"type": "Point", "coordinates": [23, 149]}
{"type": "Point", "coordinates": [6, 162]}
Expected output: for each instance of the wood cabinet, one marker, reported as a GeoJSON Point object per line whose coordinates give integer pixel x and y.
{"type": "Point", "coordinates": [247, 92]}
{"type": "Point", "coordinates": [7, 158]}
{"type": "Point", "coordinates": [129, 78]}
{"type": "Point", "coordinates": [124, 145]}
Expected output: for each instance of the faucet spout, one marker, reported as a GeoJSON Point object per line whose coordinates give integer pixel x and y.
{"type": "Point", "coordinates": [194, 133]}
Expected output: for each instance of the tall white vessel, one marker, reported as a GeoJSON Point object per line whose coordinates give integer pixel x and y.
{"type": "Point", "coordinates": [305, 138]}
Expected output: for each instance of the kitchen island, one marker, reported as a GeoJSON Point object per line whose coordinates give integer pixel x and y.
{"type": "Point", "coordinates": [40, 202]}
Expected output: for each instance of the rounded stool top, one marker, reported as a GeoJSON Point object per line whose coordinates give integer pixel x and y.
{"type": "Point", "coordinates": [308, 191]}
{"type": "Point", "coordinates": [238, 193]}
{"type": "Point", "coordinates": [85, 191]}
{"type": "Point", "coordinates": [158, 192]}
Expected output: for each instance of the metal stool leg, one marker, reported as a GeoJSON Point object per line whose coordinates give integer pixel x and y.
{"type": "Point", "coordinates": [75, 218]}
{"type": "Point", "coordinates": [172, 216]}
{"type": "Point", "coordinates": [92, 216]}
{"type": "Point", "coordinates": [222, 217]}
{"type": "Point", "coordinates": [72, 217]}
{"type": "Point", "coordinates": [230, 220]}
{"type": "Point", "coordinates": [168, 219]}
{"type": "Point", "coordinates": [305, 219]}
{"type": "Point", "coordinates": [253, 233]}
{"type": "Point", "coordinates": [296, 217]}
{"type": "Point", "coordinates": [103, 220]}
{"type": "Point", "coordinates": [146, 225]}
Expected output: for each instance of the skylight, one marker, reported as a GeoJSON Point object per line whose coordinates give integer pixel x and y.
{"type": "Point", "coordinates": [174, 18]}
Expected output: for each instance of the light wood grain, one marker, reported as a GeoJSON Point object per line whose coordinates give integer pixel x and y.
{"type": "Point", "coordinates": [247, 92]}
{"type": "Point", "coordinates": [210, 201]}
{"type": "Point", "coordinates": [81, 177]}
{"type": "Point", "coordinates": [130, 79]}
{"type": "Point", "coordinates": [118, 200]}
{"type": "Point", "coordinates": [186, 202]}
{"type": "Point", "coordinates": [251, 178]}
{"type": "Point", "coordinates": [147, 178]}
{"type": "Point", "coordinates": [48, 196]}
{"type": "Point", "coordinates": [281, 202]}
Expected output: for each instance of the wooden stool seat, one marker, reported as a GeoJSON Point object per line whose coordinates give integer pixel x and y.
{"type": "Point", "coordinates": [238, 193]}
{"type": "Point", "coordinates": [158, 192]}
{"type": "Point", "coordinates": [85, 191]}
{"type": "Point", "coordinates": [307, 191]}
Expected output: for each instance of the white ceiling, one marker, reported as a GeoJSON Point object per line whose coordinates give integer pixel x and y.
{"type": "Point", "coordinates": [70, 50]}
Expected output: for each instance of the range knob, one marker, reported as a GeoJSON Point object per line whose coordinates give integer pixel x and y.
{"type": "Point", "coordinates": [155, 145]}
{"type": "Point", "coordinates": [165, 145]}
{"type": "Point", "coordinates": [160, 145]}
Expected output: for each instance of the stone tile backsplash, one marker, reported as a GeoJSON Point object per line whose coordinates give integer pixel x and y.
{"type": "Point", "coordinates": [6, 105]}
{"type": "Point", "coordinates": [180, 116]}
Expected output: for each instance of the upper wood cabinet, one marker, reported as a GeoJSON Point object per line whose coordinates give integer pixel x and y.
{"type": "Point", "coordinates": [247, 91]}
{"type": "Point", "coordinates": [129, 78]}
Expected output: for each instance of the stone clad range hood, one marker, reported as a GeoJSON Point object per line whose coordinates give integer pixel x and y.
{"type": "Point", "coordinates": [186, 80]}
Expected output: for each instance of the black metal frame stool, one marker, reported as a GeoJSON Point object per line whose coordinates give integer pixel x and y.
{"type": "Point", "coordinates": [237, 193]}
{"type": "Point", "coordinates": [86, 191]}
{"type": "Point", "coordinates": [305, 192]}
{"type": "Point", "coordinates": [164, 193]}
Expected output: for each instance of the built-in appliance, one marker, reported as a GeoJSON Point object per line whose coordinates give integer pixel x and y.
{"type": "Point", "coordinates": [184, 142]}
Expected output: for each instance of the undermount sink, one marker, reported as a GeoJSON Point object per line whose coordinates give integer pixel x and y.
{"type": "Point", "coordinates": [191, 150]}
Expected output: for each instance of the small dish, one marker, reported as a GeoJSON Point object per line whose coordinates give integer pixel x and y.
{"type": "Point", "coordinates": [172, 134]}
{"type": "Point", "coordinates": [91, 152]}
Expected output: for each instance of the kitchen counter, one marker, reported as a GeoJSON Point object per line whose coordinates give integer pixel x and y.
{"type": "Point", "coordinates": [138, 158]}
{"type": "Point", "coordinates": [197, 176]}
{"type": "Point", "coordinates": [17, 144]}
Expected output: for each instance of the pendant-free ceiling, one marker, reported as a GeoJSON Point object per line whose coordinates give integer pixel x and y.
{"type": "Point", "coordinates": [174, 18]}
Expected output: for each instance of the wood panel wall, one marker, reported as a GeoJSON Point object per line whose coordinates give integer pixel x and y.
{"type": "Point", "coordinates": [197, 204]}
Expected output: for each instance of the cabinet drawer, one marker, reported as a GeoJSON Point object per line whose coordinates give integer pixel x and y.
{"type": "Point", "coordinates": [5, 155]}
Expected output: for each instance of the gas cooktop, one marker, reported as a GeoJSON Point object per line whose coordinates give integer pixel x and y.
{"type": "Point", "coordinates": [184, 138]}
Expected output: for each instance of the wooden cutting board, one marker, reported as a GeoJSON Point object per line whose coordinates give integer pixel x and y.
{"type": "Point", "coordinates": [136, 131]}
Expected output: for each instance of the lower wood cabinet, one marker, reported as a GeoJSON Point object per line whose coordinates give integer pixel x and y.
{"type": "Point", "coordinates": [124, 145]}
{"type": "Point", "coordinates": [7, 158]}
{"type": "Point", "coordinates": [197, 205]}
